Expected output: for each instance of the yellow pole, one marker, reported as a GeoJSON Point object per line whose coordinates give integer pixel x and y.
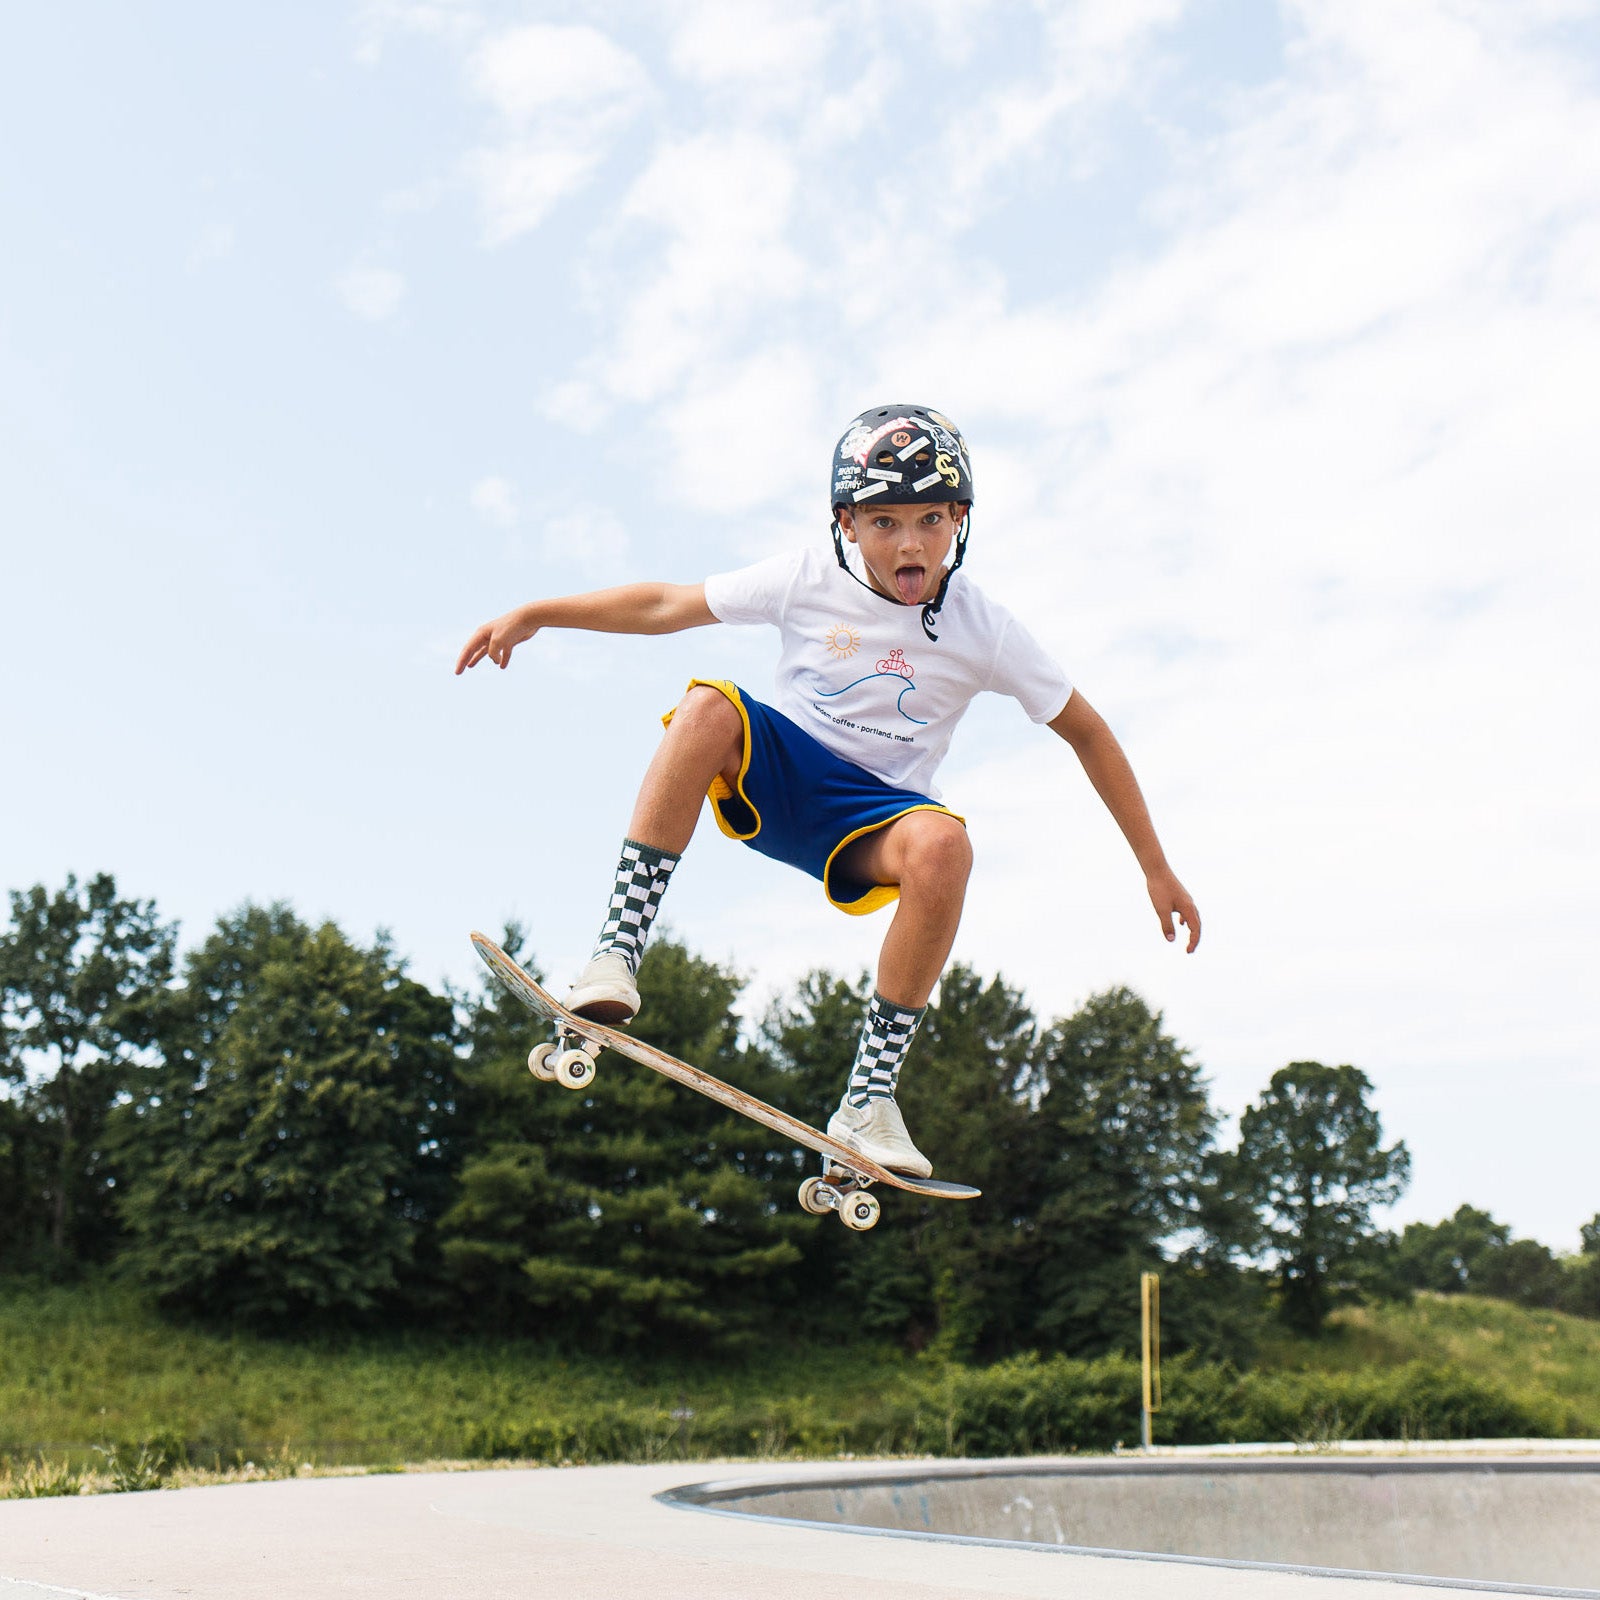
{"type": "Point", "coordinates": [1150, 1323]}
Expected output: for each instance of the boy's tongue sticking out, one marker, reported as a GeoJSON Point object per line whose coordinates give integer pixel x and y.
{"type": "Point", "coordinates": [910, 582]}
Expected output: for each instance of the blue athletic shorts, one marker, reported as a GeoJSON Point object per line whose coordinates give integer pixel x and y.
{"type": "Point", "coordinates": [798, 802]}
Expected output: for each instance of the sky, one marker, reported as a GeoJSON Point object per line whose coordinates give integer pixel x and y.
{"type": "Point", "coordinates": [330, 331]}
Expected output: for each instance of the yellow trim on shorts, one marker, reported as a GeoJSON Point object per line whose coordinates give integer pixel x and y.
{"type": "Point", "coordinates": [719, 790]}
{"type": "Point", "coordinates": [881, 894]}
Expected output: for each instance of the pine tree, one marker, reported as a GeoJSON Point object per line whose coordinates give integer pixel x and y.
{"type": "Point", "coordinates": [634, 1210]}
{"type": "Point", "coordinates": [288, 1157]}
{"type": "Point", "coordinates": [1124, 1129]}
{"type": "Point", "coordinates": [934, 1272]}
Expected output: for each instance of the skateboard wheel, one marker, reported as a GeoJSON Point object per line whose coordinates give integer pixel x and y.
{"type": "Point", "coordinates": [573, 1069]}
{"type": "Point", "coordinates": [539, 1062]}
{"type": "Point", "coordinates": [817, 1197]}
{"type": "Point", "coordinates": [860, 1212]}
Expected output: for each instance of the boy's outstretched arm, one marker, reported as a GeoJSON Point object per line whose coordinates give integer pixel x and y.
{"type": "Point", "coordinates": [633, 608]}
{"type": "Point", "coordinates": [1096, 745]}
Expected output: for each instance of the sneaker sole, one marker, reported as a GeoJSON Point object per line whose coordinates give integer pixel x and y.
{"type": "Point", "coordinates": [609, 1013]}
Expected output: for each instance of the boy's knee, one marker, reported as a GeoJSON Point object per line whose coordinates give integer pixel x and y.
{"type": "Point", "coordinates": [709, 716]}
{"type": "Point", "coordinates": [939, 849]}
{"type": "Point", "coordinates": [706, 708]}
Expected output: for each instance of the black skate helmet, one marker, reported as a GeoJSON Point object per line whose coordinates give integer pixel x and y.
{"type": "Point", "coordinates": [903, 454]}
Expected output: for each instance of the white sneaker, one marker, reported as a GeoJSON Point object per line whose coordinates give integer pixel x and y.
{"type": "Point", "coordinates": [605, 991]}
{"type": "Point", "coordinates": [878, 1131]}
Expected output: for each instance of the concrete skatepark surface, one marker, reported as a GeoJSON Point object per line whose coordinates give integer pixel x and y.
{"type": "Point", "coordinates": [1509, 1522]}
{"type": "Point", "coordinates": [592, 1532]}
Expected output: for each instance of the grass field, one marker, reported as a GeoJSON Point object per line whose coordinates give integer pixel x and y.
{"type": "Point", "coordinates": [81, 1366]}
{"type": "Point", "coordinates": [1531, 1354]}
{"type": "Point", "coordinates": [93, 1365]}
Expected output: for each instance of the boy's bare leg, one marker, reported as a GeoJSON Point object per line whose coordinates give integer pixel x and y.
{"type": "Point", "coordinates": [705, 737]}
{"type": "Point", "coordinates": [925, 854]}
{"type": "Point", "coordinates": [928, 855]}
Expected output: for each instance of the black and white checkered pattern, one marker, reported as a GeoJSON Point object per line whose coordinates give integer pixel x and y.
{"type": "Point", "coordinates": [642, 874]}
{"type": "Point", "coordinates": [886, 1035]}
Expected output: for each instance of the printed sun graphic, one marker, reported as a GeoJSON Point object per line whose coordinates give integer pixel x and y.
{"type": "Point", "coordinates": [843, 641]}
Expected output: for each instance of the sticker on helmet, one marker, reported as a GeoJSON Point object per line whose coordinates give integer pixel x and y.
{"type": "Point", "coordinates": [946, 469]}
{"type": "Point", "coordinates": [876, 488]}
{"type": "Point", "coordinates": [888, 477]}
{"type": "Point", "coordinates": [925, 483]}
{"type": "Point", "coordinates": [915, 445]}
{"type": "Point", "coordinates": [865, 440]}
{"type": "Point", "coordinates": [900, 438]}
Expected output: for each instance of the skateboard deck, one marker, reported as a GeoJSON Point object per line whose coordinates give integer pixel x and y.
{"type": "Point", "coordinates": [844, 1197]}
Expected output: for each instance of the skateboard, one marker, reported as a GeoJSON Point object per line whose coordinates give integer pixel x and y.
{"type": "Point", "coordinates": [570, 1060]}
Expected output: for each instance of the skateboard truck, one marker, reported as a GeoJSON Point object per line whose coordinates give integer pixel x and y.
{"type": "Point", "coordinates": [839, 1189]}
{"type": "Point", "coordinates": [568, 1059]}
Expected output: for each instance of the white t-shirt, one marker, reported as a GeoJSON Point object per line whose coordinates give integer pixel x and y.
{"type": "Point", "coordinates": [858, 673]}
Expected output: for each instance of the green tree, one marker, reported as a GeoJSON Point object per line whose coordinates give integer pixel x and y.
{"type": "Point", "coordinates": [634, 1210]}
{"type": "Point", "coordinates": [953, 1277]}
{"type": "Point", "coordinates": [288, 1158]}
{"type": "Point", "coordinates": [1524, 1272]}
{"type": "Point", "coordinates": [1449, 1257]}
{"type": "Point", "coordinates": [1581, 1291]}
{"type": "Point", "coordinates": [1124, 1130]}
{"type": "Point", "coordinates": [1311, 1159]}
{"type": "Point", "coordinates": [82, 973]}
{"type": "Point", "coordinates": [24, 1159]}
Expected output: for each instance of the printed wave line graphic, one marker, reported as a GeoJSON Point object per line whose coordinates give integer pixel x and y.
{"type": "Point", "coordinates": [910, 688]}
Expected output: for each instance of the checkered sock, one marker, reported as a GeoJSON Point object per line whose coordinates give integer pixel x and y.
{"type": "Point", "coordinates": [886, 1035]}
{"type": "Point", "coordinates": [642, 874]}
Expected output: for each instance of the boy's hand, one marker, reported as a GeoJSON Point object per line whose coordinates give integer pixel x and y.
{"type": "Point", "coordinates": [496, 640]}
{"type": "Point", "coordinates": [1170, 899]}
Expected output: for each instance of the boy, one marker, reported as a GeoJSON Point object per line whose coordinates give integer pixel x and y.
{"type": "Point", "coordinates": [883, 648]}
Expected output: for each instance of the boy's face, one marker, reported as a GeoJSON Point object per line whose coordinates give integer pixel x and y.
{"type": "Point", "coordinates": [904, 547]}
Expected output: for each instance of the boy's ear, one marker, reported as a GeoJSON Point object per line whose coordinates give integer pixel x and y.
{"type": "Point", "coordinates": [847, 521]}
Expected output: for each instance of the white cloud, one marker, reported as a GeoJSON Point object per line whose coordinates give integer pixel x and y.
{"type": "Point", "coordinates": [518, 183]}
{"type": "Point", "coordinates": [1086, 59]}
{"type": "Point", "coordinates": [563, 95]}
{"type": "Point", "coordinates": [589, 539]}
{"type": "Point", "coordinates": [732, 435]}
{"type": "Point", "coordinates": [495, 501]}
{"type": "Point", "coordinates": [377, 20]}
{"type": "Point", "coordinates": [527, 71]}
{"type": "Point", "coordinates": [712, 215]}
{"type": "Point", "coordinates": [372, 293]}
{"type": "Point", "coordinates": [771, 46]}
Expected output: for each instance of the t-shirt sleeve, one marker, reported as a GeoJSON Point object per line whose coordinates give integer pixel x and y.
{"type": "Point", "coordinates": [753, 594]}
{"type": "Point", "coordinates": [1026, 671]}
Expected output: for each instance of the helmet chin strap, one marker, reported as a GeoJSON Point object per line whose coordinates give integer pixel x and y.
{"type": "Point", "coordinates": [930, 611]}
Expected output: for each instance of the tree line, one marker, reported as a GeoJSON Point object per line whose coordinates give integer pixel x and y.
{"type": "Point", "coordinates": [282, 1130]}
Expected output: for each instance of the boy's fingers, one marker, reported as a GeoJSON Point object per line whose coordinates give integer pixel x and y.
{"type": "Point", "coordinates": [472, 651]}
